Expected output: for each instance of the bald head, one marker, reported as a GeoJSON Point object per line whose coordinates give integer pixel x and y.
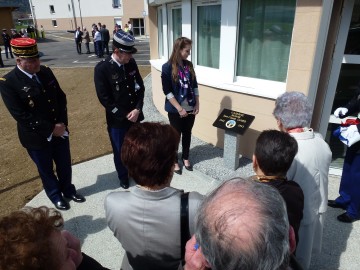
{"type": "Point", "coordinates": [243, 225]}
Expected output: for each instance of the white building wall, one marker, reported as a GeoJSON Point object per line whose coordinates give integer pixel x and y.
{"type": "Point", "coordinates": [89, 8]}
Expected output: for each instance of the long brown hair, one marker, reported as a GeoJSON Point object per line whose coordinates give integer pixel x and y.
{"type": "Point", "coordinates": [175, 58]}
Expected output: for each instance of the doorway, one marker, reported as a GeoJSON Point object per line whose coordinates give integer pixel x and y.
{"type": "Point", "coordinates": [345, 75]}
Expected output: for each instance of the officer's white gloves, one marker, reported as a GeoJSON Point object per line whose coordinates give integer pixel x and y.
{"type": "Point", "coordinates": [340, 112]}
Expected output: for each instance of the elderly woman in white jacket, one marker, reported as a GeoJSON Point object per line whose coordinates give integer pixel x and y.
{"type": "Point", "coordinates": [309, 169]}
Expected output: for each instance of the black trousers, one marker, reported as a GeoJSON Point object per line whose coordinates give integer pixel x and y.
{"type": "Point", "coordinates": [58, 152]}
{"type": "Point", "coordinates": [78, 46]}
{"type": "Point", "coordinates": [105, 46]}
{"type": "Point", "coordinates": [183, 126]}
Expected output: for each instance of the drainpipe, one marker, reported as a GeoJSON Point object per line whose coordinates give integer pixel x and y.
{"type": "Point", "coordinates": [73, 9]}
{"type": "Point", "coordinates": [33, 15]}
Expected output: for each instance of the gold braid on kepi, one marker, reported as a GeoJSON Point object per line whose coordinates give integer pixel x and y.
{"type": "Point", "coordinates": [24, 47]}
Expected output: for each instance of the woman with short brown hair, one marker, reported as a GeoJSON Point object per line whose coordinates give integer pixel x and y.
{"type": "Point", "coordinates": [146, 218]}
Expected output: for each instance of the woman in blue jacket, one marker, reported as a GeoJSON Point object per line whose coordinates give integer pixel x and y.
{"type": "Point", "coordinates": [182, 95]}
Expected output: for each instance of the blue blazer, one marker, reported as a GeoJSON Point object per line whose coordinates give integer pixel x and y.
{"type": "Point", "coordinates": [169, 85]}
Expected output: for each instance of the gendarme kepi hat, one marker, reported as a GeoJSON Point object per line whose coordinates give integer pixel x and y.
{"type": "Point", "coordinates": [124, 42]}
{"type": "Point", "coordinates": [24, 47]}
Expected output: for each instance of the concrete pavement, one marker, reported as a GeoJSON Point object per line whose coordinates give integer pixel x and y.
{"type": "Point", "coordinates": [96, 178]}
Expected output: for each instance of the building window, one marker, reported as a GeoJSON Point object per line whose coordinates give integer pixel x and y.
{"type": "Point", "coordinates": [69, 7]}
{"type": "Point", "coordinates": [160, 32]}
{"type": "Point", "coordinates": [265, 30]}
{"type": "Point", "coordinates": [54, 23]}
{"type": "Point", "coordinates": [116, 3]}
{"type": "Point", "coordinates": [208, 35]}
{"type": "Point", "coordinates": [175, 23]}
{"type": "Point", "coordinates": [138, 26]}
{"type": "Point", "coordinates": [52, 9]}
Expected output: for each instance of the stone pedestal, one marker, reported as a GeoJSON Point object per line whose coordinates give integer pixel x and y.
{"type": "Point", "coordinates": [231, 150]}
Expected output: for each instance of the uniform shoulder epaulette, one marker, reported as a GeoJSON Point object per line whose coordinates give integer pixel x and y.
{"type": "Point", "coordinates": [2, 79]}
{"type": "Point", "coordinates": [101, 62]}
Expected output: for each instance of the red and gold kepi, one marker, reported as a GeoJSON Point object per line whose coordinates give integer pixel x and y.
{"type": "Point", "coordinates": [24, 47]}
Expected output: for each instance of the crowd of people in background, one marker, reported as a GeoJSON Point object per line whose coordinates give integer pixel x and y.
{"type": "Point", "coordinates": [30, 31]}
{"type": "Point", "coordinates": [99, 33]}
{"type": "Point", "coordinates": [100, 36]}
{"type": "Point", "coordinates": [278, 213]}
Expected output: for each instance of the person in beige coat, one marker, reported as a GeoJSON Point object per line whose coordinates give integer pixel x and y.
{"type": "Point", "coordinates": [309, 169]}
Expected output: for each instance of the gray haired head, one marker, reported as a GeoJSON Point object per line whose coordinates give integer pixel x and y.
{"type": "Point", "coordinates": [243, 224]}
{"type": "Point", "coordinates": [293, 110]}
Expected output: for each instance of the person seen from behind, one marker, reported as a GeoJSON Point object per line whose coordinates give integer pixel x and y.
{"type": "Point", "coordinates": [274, 153]}
{"type": "Point", "coordinates": [242, 224]}
{"type": "Point", "coordinates": [310, 169]}
{"type": "Point", "coordinates": [146, 219]}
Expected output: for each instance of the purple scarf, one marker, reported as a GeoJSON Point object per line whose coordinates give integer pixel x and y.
{"type": "Point", "coordinates": [185, 85]}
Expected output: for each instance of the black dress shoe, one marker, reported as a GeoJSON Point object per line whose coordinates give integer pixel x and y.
{"type": "Point", "coordinates": [62, 205]}
{"type": "Point", "coordinates": [346, 218]}
{"type": "Point", "coordinates": [76, 198]}
{"type": "Point", "coordinates": [189, 168]}
{"type": "Point", "coordinates": [334, 204]}
{"type": "Point", "coordinates": [179, 171]}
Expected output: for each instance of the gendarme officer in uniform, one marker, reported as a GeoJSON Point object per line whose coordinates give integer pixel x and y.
{"type": "Point", "coordinates": [349, 190]}
{"type": "Point", "coordinates": [120, 90]}
{"type": "Point", "coordinates": [34, 98]}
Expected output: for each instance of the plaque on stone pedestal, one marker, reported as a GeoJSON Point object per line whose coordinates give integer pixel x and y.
{"type": "Point", "coordinates": [233, 121]}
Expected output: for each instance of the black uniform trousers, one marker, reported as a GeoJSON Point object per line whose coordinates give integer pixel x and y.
{"type": "Point", "coordinates": [8, 48]}
{"type": "Point", "coordinates": [350, 182]}
{"type": "Point", "coordinates": [117, 136]}
{"type": "Point", "coordinates": [183, 125]}
{"type": "Point", "coordinates": [1, 61]}
{"type": "Point", "coordinates": [58, 151]}
{"type": "Point", "coordinates": [78, 46]}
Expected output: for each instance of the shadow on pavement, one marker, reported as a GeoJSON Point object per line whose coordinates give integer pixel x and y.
{"type": "Point", "coordinates": [335, 237]}
{"type": "Point", "coordinates": [85, 225]}
{"type": "Point", "coordinates": [104, 182]}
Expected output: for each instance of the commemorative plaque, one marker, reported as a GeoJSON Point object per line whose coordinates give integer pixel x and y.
{"type": "Point", "coordinates": [233, 121]}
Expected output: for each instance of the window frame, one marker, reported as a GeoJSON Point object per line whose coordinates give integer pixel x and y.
{"type": "Point", "coordinates": [207, 71]}
{"type": "Point", "coordinates": [161, 40]}
{"type": "Point", "coordinates": [225, 76]}
{"type": "Point", "coordinates": [118, 5]}
{"type": "Point", "coordinates": [170, 9]}
{"type": "Point", "coordinates": [138, 26]}
{"type": "Point", "coordinates": [256, 84]}
{"type": "Point", "coordinates": [54, 23]}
